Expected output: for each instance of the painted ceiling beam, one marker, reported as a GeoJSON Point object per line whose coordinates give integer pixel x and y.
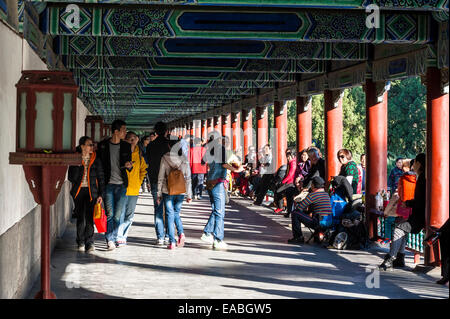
{"type": "Point", "coordinates": [101, 75]}
{"type": "Point", "coordinates": [227, 23]}
{"type": "Point", "coordinates": [123, 83]}
{"type": "Point", "coordinates": [208, 48]}
{"type": "Point", "coordinates": [326, 4]}
{"type": "Point", "coordinates": [171, 90]}
{"type": "Point", "coordinates": [178, 64]}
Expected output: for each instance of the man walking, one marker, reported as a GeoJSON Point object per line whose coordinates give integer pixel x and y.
{"type": "Point", "coordinates": [115, 155]}
{"type": "Point", "coordinates": [155, 151]}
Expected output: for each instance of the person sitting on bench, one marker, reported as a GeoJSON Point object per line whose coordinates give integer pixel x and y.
{"type": "Point", "coordinates": [318, 204]}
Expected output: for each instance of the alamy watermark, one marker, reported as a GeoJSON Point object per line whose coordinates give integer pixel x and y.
{"type": "Point", "coordinates": [373, 19]}
{"type": "Point", "coordinates": [73, 19]}
{"type": "Point", "coordinates": [373, 278]}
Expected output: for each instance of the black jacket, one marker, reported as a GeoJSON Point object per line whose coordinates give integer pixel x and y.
{"type": "Point", "coordinates": [96, 179]}
{"type": "Point", "coordinates": [124, 156]}
{"type": "Point", "coordinates": [316, 170]}
{"type": "Point", "coordinates": [155, 151]}
{"type": "Point", "coordinates": [418, 204]}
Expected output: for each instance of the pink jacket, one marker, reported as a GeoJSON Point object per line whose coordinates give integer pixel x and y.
{"type": "Point", "coordinates": [290, 174]}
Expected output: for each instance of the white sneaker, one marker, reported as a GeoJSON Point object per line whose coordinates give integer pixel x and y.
{"type": "Point", "coordinates": [207, 238]}
{"type": "Point", "coordinates": [111, 245]}
{"type": "Point", "coordinates": [166, 241]}
{"type": "Point", "coordinates": [160, 242]}
{"type": "Point", "coordinates": [220, 245]}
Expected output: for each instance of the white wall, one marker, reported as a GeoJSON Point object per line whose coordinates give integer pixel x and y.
{"type": "Point", "coordinates": [15, 197]}
{"type": "Point", "coordinates": [16, 55]}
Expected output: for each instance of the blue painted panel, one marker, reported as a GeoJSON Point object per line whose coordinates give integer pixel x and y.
{"type": "Point", "coordinates": [199, 62]}
{"type": "Point", "coordinates": [219, 21]}
{"type": "Point", "coordinates": [397, 66]}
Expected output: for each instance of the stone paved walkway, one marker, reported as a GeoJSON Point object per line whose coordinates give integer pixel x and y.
{"type": "Point", "coordinates": [258, 263]}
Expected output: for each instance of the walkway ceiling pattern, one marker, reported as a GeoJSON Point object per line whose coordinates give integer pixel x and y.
{"type": "Point", "coordinates": [147, 61]}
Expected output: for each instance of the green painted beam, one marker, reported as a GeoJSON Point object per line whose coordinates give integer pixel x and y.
{"type": "Point", "coordinates": [262, 24]}
{"type": "Point", "coordinates": [209, 48]}
{"type": "Point", "coordinates": [125, 64]}
{"type": "Point", "coordinates": [325, 4]}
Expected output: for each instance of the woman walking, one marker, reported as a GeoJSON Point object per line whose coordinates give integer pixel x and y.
{"type": "Point", "coordinates": [88, 186]}
{"type": "Point", "coordinates": [135, 179]}
{"type": "Point", "coordinates": [414, 224]}
{"type": "Point", "coordinates": [171, 161]}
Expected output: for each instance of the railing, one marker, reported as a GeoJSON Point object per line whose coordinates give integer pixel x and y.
{"type": "Point", "coordinates": [385, 230]}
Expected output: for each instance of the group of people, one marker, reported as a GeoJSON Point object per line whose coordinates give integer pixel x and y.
{"type": "Point", "coordinates": [115, 172]}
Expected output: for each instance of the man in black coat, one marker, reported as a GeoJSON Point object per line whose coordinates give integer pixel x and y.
{"type": "Point", "coordinates": [115, 155]}
{"type": "Point", "coordinates": [317, 168]}
{"type": "Point", "coordinates": [155, 151]}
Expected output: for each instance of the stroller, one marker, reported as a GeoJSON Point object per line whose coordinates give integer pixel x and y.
{"type": "Point", "coordinates": [349, 231]}
{"type": "Point", "coordinates": [341, 199]}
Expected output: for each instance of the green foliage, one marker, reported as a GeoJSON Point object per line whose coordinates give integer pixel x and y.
{"type": "Point", "coordinates": [407, 123]}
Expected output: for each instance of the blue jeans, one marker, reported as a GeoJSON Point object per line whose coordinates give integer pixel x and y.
{"type": "Point", "coordinates": [215, 223]}
{"type": "Point", "coordinates": [115, 202]}
{"type": "Point", "coordinates": [127, 218]}
{"type": "Point", "coordinates": [197, 184]}
{"type": "Point", "coordinates": [173, 207]}
{"type": "Point", "coordinates": [160, 226]}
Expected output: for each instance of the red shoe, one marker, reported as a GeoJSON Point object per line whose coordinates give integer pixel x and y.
{"type": "Point", "coordinates": [181, 239]}
{"type": "Point", "coordinates": [278, 210]}
{"type": "Point", "coordinates": [171, 246]}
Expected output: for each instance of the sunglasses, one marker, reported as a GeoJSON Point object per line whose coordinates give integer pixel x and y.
{"type": "Point", "coordinates": [341, 156]}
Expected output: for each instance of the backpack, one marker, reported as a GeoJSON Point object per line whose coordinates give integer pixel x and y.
{"type": "Point", "coordinates": [176, 184]}
{"type": "Point", "coordinates": [338, 205]}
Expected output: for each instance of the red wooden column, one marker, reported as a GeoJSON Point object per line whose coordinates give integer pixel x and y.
{"type": "Point", "coordinates": [236, 128]}
{"type": "Point", "coordinates": [333, 132]}
{"type": "Point", "coordinates": [247, 128]}
{"type": "Point", "coordinates": [203, 129]}
{"type": "Point", "coordinates": [376, 147]}
{"type": "Point", "coordinates": [218, 124]}
{"type": "Point", "coordinates": [197, 128]}
{"type": "Point", "coordinates": [304, 122]}
{"type": "Point", "coordinates": [192, 129]}
{"type": "Point", "coordinates": [262, 129]}
{"type": "Point", "coordinates": [280, 124]}
{"type": "Point", "coordinates": [437, 162]}
{"type": "Point", "coordinates": [209, 125]}
{"type": "Point", "coordinates": [226, 125]}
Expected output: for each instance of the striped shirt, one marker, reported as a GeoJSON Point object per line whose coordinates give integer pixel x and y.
{"type": "Point", "coordinates": [319, 203]}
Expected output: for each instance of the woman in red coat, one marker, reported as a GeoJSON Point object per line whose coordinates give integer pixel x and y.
{"type": "Point", "coordinates": [198, 170]}
{"type": "Point", "coordinates": [406, 187]}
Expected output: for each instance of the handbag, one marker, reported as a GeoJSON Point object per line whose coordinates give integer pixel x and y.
{"type": "Point", "coordinates": [211, 183]}
{"type": "Point", "coordinates": [176, 185]}
{"type": "Point", "coordinates": [100, 218]}
{"type": "Point", "coordinates": [391, 208]}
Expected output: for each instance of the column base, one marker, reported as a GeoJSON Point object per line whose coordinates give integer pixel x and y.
{"type": "Point", "coordinates": [45, 294]}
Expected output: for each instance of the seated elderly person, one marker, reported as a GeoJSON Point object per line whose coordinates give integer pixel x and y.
{"type": "Point", "coordinates": [317, 203]}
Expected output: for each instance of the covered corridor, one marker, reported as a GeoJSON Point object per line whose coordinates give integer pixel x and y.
{"type": "Point", "coordinates": [257, 265]}
{"type": "Point", "coordinates": [202, 66]}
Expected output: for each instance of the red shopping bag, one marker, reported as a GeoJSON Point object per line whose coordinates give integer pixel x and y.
{"type": "Point", "coordinates": [100, 218]}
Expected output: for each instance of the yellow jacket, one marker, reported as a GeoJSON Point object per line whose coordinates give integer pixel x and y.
{"type": "Point", "coordinates": [137, 174]}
